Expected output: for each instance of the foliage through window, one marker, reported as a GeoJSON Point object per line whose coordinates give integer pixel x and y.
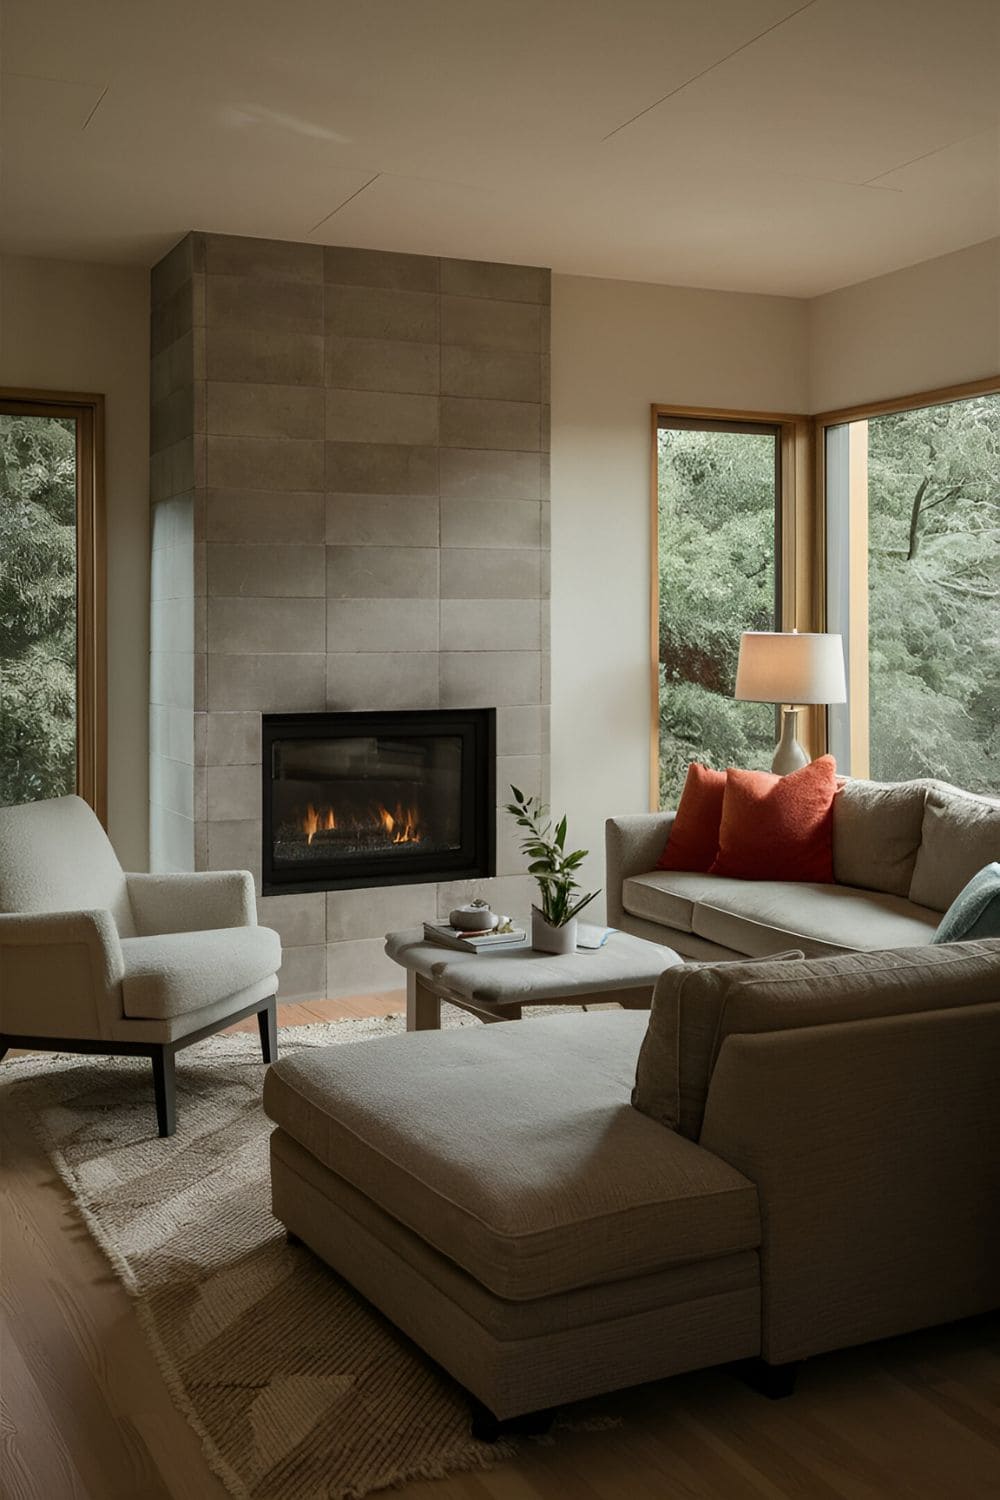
{"type": "Point", "coordinates": [716, 575]}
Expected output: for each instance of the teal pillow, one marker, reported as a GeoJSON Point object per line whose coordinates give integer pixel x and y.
{"type": "Point", "coordinates": [975, 911]}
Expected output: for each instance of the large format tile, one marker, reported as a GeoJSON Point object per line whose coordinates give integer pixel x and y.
{"type": "Point", "coordinates": [264, 516]}
{"type": "Point", "coordinates": [490, 625]}
{"type": "Point", "coordinates": [264, 260]}
{"type": "Point", "coordinates": [254, 627]}
{"type": "Point", "coordinates": [299, 919]}
{"type": "Point", "coordinates": [521, 730]}
{"type": "Point", "coordinates": [478, 474]}
{"type": "Point", "coordinates": [387, 268]}
{"type": "Point", "coordinates": [514, 326]}
{"type": "Point", "coordinates": [267, 683]}
{"type": "Point", "coordinates": [235, 845]}
{"type": "Point", "coordinates": [381, 417]}
{"type": "Point", "coordinates": [489, 573]}
{"type": "Point", "coordinates": [390, 680]}
{"type": "Point", "coordinates": [261, 355]}
{"type": "Point", "coordinates": [382, 573]}
{"type": "Point", "coordinates": [250, 302]}
{"type": "Point", "coordinates": [265, 463]}
{"type": "Point", "coordinates": [361, 967]}
{"type": "Point", "coordinates": [502, 523]}
{"type": "Point", "coordinates": [373, 912]}
{"type": "Point", "coordinates": [469, 678]}
{"type": "Point", "coordinates": [479, 278]}
{"type": "Point", "coordinates": [302, 975]}
{"type": "Point", "coordinates": [381, 313]}
{"type": "Point", "coordinates": [467, 423]}
{"type": "Point", "coordinates": [511, 895]}
{"type": "Point", "coordinates": [263, 571]}
{"type": "Point", "coordinates": [382, 365]}
{"type": "Point", "coordinates": [233, 739]}
{"type": "Point", "coordinates": [497, 374]}
{"type": "Point", "coordinates": [232, 792]}
{"type": "Point", "coordinates": [244, 409]}
{"type": "Point", "coordinates": [381, 469]}
{"type": "Point", "coordinates": [369, 520]}
{"type": "Point", "coordinates": [382, 625]}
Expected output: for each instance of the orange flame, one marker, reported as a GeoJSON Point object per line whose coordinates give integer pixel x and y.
{"type": "Point", "coordinates": [402, 824]}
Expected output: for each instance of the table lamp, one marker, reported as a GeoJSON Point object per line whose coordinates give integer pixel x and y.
{"type": "Point", "coordinates": [792, 669]}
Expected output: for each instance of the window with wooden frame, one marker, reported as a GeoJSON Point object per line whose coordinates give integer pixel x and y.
{"type": "Point", "coordinates": [53, 714]}
{"type": "Point", "coordinates": [911, 496]}
{"type": "Point", "coordinates": [732, 544]}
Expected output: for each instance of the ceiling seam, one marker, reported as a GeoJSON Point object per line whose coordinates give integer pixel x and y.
{"type": "Point", "coordinates": [350, 197]}
{"type": "Point", "coordinates": [97, 106]}
{"type": "Point", "coordinates": [710, 69]}
{"type": "Point", "coordinates": [870, 181]}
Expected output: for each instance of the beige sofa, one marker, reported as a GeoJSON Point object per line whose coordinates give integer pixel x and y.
{"type": "Point", "coordinates": [812, 1160]}
{"type": "Point", "coordinates": [902, 851]}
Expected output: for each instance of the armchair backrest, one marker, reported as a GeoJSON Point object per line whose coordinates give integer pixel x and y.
{"type": "Point", "coordinates": [55, 856]}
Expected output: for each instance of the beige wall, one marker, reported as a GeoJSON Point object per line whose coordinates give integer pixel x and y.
{"type": "Point", "coordinates": [616, 348]}
{"type": "Point", "coordinates": [71, 327]}
{"type": "Point", "coordinates": [930, 325]}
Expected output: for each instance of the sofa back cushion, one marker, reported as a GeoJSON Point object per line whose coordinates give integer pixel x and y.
{"type": "Point", "coordinates": [960, 834]}
{"type": "Point", "coordinates": [55, 856]}
{"type": "Point", "coordinates": [876, 834]}
{"type": "Point", "coordinates": [695, 1009]}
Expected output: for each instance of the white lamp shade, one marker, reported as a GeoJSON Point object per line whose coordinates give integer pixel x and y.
{"type": "Point", "coordinates": [789, 667]}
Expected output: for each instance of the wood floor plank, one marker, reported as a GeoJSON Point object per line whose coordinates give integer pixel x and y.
{"type": "Point", "coordinates": [35, 1463]}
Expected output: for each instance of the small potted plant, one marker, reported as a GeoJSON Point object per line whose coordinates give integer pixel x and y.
{"type": "Point", "coordinates": [553, 927]}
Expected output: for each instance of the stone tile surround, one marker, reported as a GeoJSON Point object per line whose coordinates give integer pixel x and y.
{"type": "Point", "coordinates": [349, 481]}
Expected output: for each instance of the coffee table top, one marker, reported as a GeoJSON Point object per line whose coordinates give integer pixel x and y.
{"type": "Point", "coordinates": [520, 975]}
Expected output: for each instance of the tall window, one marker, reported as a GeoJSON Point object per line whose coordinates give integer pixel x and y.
{"type": "Point", "coordinates": [913, 584]}
{"type": "Point", "coordinates": [52, 738]}
{"type": "Point", "coordinates": [716, 574]}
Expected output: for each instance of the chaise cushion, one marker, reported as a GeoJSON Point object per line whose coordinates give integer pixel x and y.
{"type": "Point", "coordinates": [179, 972]}
{"type": "Point", "coordinates": [876, 834]}
{"type": "Point", "coordinates": [761, 916]}
{"type": "Point", "coordinates": [514, 1151]}
{"type": "Point", "coordinates": [961, 834]}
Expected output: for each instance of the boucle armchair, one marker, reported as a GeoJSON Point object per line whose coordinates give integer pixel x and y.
{"type": "Point", "coordinates": [95, 960]}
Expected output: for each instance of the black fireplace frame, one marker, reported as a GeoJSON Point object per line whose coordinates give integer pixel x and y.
{"type": "Point", "coordinates": [475, 859]}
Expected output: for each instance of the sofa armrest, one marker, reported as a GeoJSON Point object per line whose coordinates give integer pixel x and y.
{"type": "Point", "coordinates": [632, 845]}
{"type": "Point", "coordinates": [192, 903]}
{"type": "Point", "coordinates": [60, 974]}
{"type": "Point", "coordinates": [879, 1198]}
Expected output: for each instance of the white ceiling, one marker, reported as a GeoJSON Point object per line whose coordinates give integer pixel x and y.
{"type": "Point", "coordinates": [756, 145]}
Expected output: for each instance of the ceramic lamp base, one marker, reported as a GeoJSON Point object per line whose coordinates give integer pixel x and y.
{"type": "Point", "coordinates": [789, 754]}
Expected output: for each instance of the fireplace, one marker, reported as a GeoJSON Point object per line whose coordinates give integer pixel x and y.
{"type": "Point", "coordinates": [363, 799]}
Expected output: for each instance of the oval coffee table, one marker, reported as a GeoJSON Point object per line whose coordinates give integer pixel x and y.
{"type": "Point", "coordinates": [494, 986]}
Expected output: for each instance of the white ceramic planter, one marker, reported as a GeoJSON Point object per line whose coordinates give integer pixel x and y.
{"type": "Point", "coordinates": [548, 939]}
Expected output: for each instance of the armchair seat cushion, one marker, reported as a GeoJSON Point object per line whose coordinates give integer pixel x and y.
{"type": "Point", "coordinates": [178, 972]}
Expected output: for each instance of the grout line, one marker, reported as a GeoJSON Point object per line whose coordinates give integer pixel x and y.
{"type": "Point", "coordinates": [710, 69]}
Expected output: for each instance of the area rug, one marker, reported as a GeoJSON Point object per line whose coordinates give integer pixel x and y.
{"type": "Point", "coordinates": [298, 1389]}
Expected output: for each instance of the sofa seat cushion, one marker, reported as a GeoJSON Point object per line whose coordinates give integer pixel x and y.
{"type": "Point", "coordinates": [668, 896]}
{"type": "Point", "coordinates": [763, 915]}
{"type": "Point", "coordinates": [179, 972]}
{"type": "Point", "coordinates": [515, 1152]}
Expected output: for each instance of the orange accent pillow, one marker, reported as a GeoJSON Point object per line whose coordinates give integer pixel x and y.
{"type": "Point", "coordinates": [779, 827]}
{"type": "Point", "coordinates": [694, 836]}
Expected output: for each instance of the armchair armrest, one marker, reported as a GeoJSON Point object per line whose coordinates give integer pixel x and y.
{"type": "Point", "coordinates": [192, 903]}
{"type": "Point", "coordinates": [60, 974]}
{"type": "Point", "coordinates": [632, 845]}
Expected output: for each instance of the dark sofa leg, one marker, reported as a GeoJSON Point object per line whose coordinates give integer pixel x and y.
{"type": "Point", "coordinates": [165, 1090]}
{"type": "Point", "coordinates": [487, 1427]}
{"type": "Point", "coordinates": [773, 1381]}
{"type": "Point", "coordinates": [267, 1021]}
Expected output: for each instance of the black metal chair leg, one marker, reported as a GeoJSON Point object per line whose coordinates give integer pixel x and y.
{"type": "Point", "coordinates": [267, 1021]}
{"type": "Point", "coordinates": [164, 1087]}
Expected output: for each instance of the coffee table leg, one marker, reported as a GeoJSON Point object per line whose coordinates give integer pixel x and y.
{"type": "Point", "coordinates": [423, 1007]}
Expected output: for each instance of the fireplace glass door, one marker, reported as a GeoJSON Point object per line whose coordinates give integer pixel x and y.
{"type": "Point", "coordinates": [354, 799]}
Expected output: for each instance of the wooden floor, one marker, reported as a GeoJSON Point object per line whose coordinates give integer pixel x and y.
{"type": "Point", "coordinates": [86, 1412]}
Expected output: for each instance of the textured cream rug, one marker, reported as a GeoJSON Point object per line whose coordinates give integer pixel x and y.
{"type": "Point", "coordinates": [298, 1389]}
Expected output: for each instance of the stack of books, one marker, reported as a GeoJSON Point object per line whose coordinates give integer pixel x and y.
{"type": "Point", "coordinates": [474, 942]}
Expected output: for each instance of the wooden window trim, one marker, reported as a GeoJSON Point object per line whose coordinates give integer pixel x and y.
{"type": "Point", "coordinates": [91, 588]}
{"type": "Point", "coordinates": [797, 538]}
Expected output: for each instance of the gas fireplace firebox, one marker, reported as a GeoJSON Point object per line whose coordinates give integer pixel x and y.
{"type": "Point", "coordinates": [363, 799]}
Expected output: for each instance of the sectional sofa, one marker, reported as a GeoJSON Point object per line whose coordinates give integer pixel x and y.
{"type": "Point", "coordinates": [902, 851]}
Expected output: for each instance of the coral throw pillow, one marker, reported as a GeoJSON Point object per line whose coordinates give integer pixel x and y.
{"type": "Point", "coordinates": [779, 827]}
{"type": "Point", "coordinates": [694, 837]}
